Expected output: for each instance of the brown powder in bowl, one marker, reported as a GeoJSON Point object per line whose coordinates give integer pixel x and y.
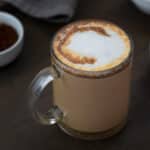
{"type": "Point", "coordinates": [8, 36]}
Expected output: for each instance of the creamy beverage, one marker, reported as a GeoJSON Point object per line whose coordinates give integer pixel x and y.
{"type": "Point", "coordinates": [90, 75]}
{"type": "Point", "coordinates": [92, 105]}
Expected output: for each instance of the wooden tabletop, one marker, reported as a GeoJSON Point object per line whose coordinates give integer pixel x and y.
{"type": "Point", "coordinates": [18, 131]}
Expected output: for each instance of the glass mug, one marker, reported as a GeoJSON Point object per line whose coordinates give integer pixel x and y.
{"type": "Point", "coordinates": [87, 105]}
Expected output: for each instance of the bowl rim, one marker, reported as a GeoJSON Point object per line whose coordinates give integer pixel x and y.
{"type": "Point", "coordinates": [146, 1]}
{"type": "Point", "coordinates": [20, 35]}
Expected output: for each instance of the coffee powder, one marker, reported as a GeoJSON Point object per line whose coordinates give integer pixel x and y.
{"type": "Point", "coordinates": [8, 36]}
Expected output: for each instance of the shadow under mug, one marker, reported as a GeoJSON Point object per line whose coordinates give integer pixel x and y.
{"type": "Point", "coordinates": [88, 105]}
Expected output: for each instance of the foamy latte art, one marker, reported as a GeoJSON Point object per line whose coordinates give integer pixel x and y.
{"type": "Point", "coordinates": [91, 45]}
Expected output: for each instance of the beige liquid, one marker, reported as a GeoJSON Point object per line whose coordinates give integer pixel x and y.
{"type": "Point", "coordinates": [93, 105]}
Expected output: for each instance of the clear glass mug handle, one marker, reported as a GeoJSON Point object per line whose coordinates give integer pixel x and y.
{"type": "Point", "coordinates": [37, 86]}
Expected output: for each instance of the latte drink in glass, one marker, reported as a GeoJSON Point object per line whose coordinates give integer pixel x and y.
{"type": "Point", "coordinates": [90, 75]}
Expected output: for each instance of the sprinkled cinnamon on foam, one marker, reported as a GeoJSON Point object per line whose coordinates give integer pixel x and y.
{"type": "Point", "coordinates": [91, 45]}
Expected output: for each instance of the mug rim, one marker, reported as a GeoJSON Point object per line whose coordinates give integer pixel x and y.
{"type": "Point", "coordinates": [91, 74]}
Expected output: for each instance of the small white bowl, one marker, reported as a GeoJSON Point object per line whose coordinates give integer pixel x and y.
{"type": "Point", "coordinates": [9, 54]}
{"type": "Point", "coordinates": [143, 5]}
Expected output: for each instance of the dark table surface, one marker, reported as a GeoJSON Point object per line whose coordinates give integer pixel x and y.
{"type": "Point", "coordinates": [18, 131]}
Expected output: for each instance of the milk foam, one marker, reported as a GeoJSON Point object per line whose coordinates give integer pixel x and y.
{"type": "Point", "coordinates": [105, 49]}
{"type": "Point", "coordinates": [92, 45]}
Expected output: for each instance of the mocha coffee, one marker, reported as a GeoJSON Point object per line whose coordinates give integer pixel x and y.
{"type": "Point", "coordinates": [90, 77]}
{"type": "Point", "coordinates": [92, 105]}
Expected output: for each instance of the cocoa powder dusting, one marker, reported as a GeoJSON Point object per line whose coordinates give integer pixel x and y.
{"type": "Point", "coordinates": [73, 57]}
